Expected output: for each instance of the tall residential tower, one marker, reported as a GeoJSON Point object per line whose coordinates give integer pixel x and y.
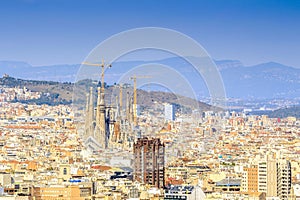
{"type": "Point", "coordinates": [149, 161]}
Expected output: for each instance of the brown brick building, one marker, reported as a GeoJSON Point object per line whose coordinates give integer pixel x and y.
{"type": "Point", "coordinates": [149, 161]}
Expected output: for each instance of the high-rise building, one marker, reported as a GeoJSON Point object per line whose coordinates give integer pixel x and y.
{"type": "Point", "coordinates": [269, 175]}
{"type": "Point", "coordinates": [169, 112]}
{"type": "Point", "coordinates": [250, 179]}
{"type": "Point", "coordinates": [284, 179]}
{"type": "Point", "coordinates": [262, 176]}
{"type": "Point", "coordinates": [149, 161]}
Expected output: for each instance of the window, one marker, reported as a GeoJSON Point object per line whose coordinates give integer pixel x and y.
{"type": "Point", "coordinates": [65, 171]}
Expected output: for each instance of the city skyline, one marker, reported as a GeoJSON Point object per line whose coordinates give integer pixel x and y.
{"type": "Point", "coordinates": [149, 100]}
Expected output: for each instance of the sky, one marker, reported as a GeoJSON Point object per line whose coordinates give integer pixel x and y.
{"type": "Point", "coordinates": [47, 32]}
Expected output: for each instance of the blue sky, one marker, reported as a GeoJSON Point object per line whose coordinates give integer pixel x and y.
{"type": "Point", "coordinates": [45, 32]}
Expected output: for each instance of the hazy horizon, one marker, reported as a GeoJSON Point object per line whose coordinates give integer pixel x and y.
{"type": "Point", "coordinates": [53, 32]}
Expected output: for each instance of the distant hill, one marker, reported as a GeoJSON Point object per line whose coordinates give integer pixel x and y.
{"type": "Point", "coordinates": [266, 80]}
{"type": "Point", "coordinates": [53, 92]}
{"type": "Point", "coordinates": [23, 70]}
{"type": "Point", "coordinates": [62, 93]}
{"type": "Point", "coordinates": [286, 112]}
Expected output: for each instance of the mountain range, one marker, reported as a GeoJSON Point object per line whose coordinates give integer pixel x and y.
{"type": "Point", "coordinates": [266, 80]}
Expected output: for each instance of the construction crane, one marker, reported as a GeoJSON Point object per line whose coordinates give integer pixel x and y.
{"type": "Point", "coordinates": [135, 96]}
{"type": "Point", "coordinates": [103, 66]}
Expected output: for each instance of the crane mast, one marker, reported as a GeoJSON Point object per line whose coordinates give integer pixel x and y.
{"type": "Point", "coordinates": [103, 66]}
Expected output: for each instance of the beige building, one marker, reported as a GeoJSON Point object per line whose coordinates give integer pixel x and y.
{"type": "Point", "coordinates": [250, 179]}
{"type": "Point", "coordinates": [64, 172]}
{"type": "Point", "coordinates": [270, 176]}
{"type": "Point", "coordinates": [5, 179]}
{"type": "Point", "coordinates": [71, 192]}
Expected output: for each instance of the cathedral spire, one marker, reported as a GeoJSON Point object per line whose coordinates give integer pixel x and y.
{"type": "Point", "coordinates": [91, 106]}
{"type": "Point", "coordinates": [87, 114]}
{"type": "Point", "coordinates": [128, 106]}
{"type": "Point", "coordinates": [98, 105]}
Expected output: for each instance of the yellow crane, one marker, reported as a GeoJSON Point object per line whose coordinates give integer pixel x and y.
{"type": "Point", "coordinates": [135, 96]}
{"type": "Point", "coordinates": [103, 66]}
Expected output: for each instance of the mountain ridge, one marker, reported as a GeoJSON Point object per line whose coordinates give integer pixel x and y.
{"type": "Point", "coordinates": [265, 80]}
{"type": "Point", "coordinates": [54, 93]}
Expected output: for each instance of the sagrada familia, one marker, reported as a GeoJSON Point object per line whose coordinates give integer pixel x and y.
{"type": "Point", "coordinates": [107, 126]}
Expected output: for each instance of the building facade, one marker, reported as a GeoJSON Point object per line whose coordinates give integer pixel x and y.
{"type": "Point", "coordinates": [270, 176]}
{"type": "Point", "coordinates": [284, 179]}
{"type": "Point", "coordinates": [250, 179]}
{"type": "Point", "coordinates": [71, 192]}
{"type": "Point", "coordinates": [169, 112]}
{"type": "Point", "coordinates": [149, 161]}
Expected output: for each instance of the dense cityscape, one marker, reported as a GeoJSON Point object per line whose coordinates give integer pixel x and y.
{"type": "Point", "coordinates": [150, 153]}
{"type": "Point", "coordinates": [149, 100]}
